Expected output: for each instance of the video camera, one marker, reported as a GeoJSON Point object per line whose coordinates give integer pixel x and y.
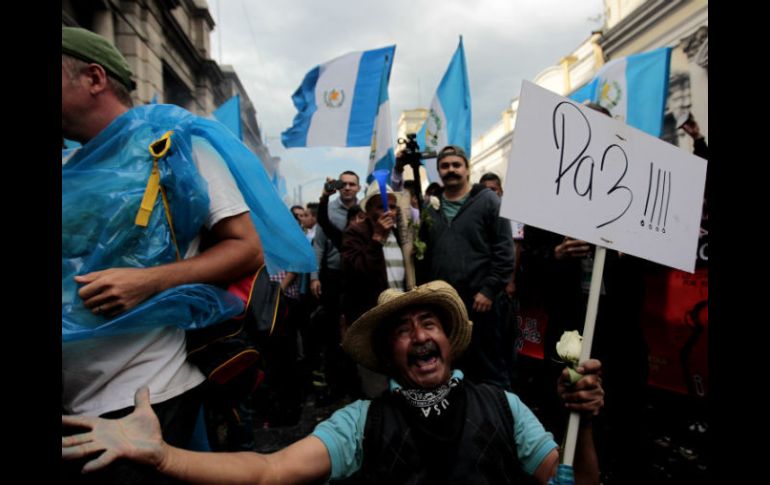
{"type": "Point", "coordinates": [412, 156]}
{"type": "Point", "coordinates": [412, 152]}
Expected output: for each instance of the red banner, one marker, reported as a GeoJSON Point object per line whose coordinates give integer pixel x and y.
{"type": "Point", "coordinates": [675, 324]}
{"type": "Point", "coordinates": [532, 321]}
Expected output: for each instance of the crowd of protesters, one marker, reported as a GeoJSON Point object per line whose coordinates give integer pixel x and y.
{"type": "Point", "coordinates": [366, 245]}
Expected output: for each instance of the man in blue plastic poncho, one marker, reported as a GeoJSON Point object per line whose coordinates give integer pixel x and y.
{"type": "Point", "coordinates": [112, 266]}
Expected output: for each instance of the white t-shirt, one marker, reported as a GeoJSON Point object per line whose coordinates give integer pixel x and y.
{"type": "Point", "coordinates": [101, 375]}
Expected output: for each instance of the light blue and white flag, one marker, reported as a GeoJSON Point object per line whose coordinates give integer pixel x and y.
{"type": "Point", "coordinates": [337, 101]}
{"type": "Point", "coordinates": [381, 156]}
{"type": "Point", "coordinates": [229, 114]}
{"type": "Point", "coordinates": [634, 89]}
{"type": "Point", "coordinates": [449, 118]}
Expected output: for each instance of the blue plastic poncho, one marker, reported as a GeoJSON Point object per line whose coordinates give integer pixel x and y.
{"type": "Point", "coordinates": [102, 186]}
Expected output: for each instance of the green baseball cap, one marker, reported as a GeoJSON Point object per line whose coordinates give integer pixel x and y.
{"type": "Point", "coordinates": [90, 47]}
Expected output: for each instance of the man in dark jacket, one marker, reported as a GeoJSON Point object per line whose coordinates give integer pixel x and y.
{"type": "Point", "coordinates": [469, 246]}
{"type": "Point", "coordinates": [434, 426]}
{"type": "Point", "coordinates": [373, 256]}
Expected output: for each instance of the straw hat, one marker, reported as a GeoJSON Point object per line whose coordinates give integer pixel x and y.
{"type": "Point", "coordinates": [358, 341]}
{"type": "Point", "coordinates": [372, 191]}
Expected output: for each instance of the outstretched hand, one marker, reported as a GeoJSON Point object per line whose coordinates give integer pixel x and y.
{"type": "Point", "coordinates": [136, 437]}
{"type": "Point", "coordinates": [586, 396]}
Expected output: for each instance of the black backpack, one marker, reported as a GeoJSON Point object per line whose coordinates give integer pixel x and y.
{"type": "Point", "coordinates": [228, 353]}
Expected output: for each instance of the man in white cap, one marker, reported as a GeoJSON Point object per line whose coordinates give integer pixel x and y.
{"type": "Point", "coordinates": [432, 427]}
{"type": "Point", "coordinates": [374, 254]}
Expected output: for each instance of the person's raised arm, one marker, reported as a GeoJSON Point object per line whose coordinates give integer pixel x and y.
{"type": "Point", "coordinates": [137, 437]}
{"type": "Point", "coordinates": [700, 148]}
{"type": "Point", "coordinates": [397, 174]}
{"type": "Point", "coordinates": [236, 252]}
{"type": "Point", "coordinates": [330, 230]}
{"type": "Point", "coordinates": [586, 397]}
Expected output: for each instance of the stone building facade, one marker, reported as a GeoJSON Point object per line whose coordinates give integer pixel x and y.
{"type": "Point", "coordinates": [167, 44]}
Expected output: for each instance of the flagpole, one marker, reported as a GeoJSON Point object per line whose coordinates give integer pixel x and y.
{"type": "Point", "coordinates": [588, 336]}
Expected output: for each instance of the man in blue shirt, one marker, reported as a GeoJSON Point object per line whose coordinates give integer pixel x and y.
{"type": "Point", "coordinates": [433, 427]}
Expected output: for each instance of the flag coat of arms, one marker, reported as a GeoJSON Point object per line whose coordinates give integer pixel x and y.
{"type": "Point", "coordinates": [634, 89]}
{"type": "Point", "coordinates": [338, 101]}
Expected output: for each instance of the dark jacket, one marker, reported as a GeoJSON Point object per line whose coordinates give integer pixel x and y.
{"type": "Point", "coordinates": [363, 264]}
{"type": "Point", "coordinates": [475, 444]}
{"type": "Point", "coordinates": [558, 282]}
{"type": "Point", "coordinates": [473, 252]}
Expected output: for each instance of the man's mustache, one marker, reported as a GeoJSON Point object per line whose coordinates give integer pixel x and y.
{"type": "Point", "coordinates": [425, 350]}
{"type": "Point", "coordinates": [451, 175]}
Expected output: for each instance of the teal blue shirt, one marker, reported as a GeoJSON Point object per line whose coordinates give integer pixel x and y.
{"type": "Point", "coordinates": [343, 435]}
{"type": "Point", "coordinates": [451, 208]}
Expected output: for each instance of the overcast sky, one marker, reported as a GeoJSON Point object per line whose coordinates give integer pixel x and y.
{"type": "Point", "coordinates": [273, 44]}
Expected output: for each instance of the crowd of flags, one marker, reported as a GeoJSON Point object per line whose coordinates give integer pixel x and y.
{"type": "Point", "coordinates": [345, 102]}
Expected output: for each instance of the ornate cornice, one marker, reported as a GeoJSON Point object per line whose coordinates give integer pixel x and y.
{"type": "Point", "coordinates": [641, 19]}
{"type": "Point", "coordinates": [696, 46]}
{"type": "Point", "coordinates": [692, 43]}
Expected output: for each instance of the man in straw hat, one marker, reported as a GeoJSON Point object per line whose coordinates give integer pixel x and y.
{"type": "Point", "coordinates": [432, 427]}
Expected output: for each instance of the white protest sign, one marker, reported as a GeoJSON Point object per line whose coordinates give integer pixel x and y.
{"type": "Point", "coordinates": [577, 172]}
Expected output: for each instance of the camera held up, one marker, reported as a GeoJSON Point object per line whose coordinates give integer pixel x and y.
{"type": "Point", "coordinates": [333, 185]}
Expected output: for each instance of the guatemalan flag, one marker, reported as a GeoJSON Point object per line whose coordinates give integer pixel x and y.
{"type": "Point", "coordinates": [634, 89]}
{"type": "Point", "coordinates": [338, 101]}
{"type": "Point", "coordinates": [449, 118]}
{"type": "Point", "coordinates": [381, 156]}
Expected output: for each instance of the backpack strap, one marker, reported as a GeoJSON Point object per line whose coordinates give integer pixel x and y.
{"type": "Point", "coordinates": [158, 149]}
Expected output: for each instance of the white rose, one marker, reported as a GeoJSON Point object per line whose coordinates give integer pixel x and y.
{"type": "Point", "coordinates": [435, 202]}
{"type": "Point", "coordinates": [569, 347]}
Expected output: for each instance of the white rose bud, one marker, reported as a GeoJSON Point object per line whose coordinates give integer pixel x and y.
{"type": "Point", "coordinates": [435, 202]}
{"type": "Point", "coordinates": [569, 347]}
